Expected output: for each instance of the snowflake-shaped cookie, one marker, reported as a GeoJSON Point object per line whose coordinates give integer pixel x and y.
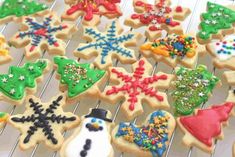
{"type": "Point", "coordinates": [4, 51]}
{"type": "Point", "coordinates": [157, 17]}
{"type": "Point", "coordinates": [107, 45]}
{"type": "Point", "coordinates": [174, 49]}
{"type": "Point", "coordinates": [223, 52]}
{"type": "Point", "coordinates": [38, 36]}
{"type": "Point", "coordinates": [137, 88]}
{"type": "Point", "coordinates": [43, 122]}
{"type": "Point", "coordinates": [91, 10]}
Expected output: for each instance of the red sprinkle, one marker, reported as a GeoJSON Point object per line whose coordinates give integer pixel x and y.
{"type": "Point", "coordinates": [179, 9]}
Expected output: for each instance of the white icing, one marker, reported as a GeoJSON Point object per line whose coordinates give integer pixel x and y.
{"type": "Point", "coordinates": [229, 42]}
{"type": "Point", "coordinates": [100, 142]}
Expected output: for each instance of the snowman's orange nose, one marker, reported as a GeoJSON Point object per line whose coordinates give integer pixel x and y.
{"type": "Point", "coordinates": [95, 125]}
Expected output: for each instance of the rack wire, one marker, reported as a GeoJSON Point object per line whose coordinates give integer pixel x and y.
{"type": "Point", "coordinates": [77, 107]}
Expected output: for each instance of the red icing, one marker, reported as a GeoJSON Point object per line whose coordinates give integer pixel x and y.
{"type": "Point", "coordinates": [155, 14]}
{"type": "Point", "coordinates": [179, 9]}
{"type": "Point", "coordinates": [207, 123]}
{"type": "Point", "coordinates": [136, 84]}
{"type": "Point", "coordinates": [91, 7]}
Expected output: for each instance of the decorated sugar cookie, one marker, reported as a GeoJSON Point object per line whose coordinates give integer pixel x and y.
{"type": "Point", "coordinates": [92, 138]}
{"type": "Point", "coordinates": [137, 88]}
{"type": "Point", "coordinates": [108, 45]}
{"type": "Point", "coordinates": [15, 9]}
{"type": "Point", "coordinates": [223, 52]}
{"type": "Point", "coordinates": [38, 36]}
{"type": "Point", "coordinates": [3, 118]}
{"type": "Point", "coordinates": [206, 125]}
{"type": "Point", "coordinates": [216, 22]}
{"type": "Point", "coordinates": [4, 51]}
{"type": "Point", "coordinates": [91, 10]}
{"type": "Point", "coordinates": [174, 49]}
{"type": "Point", "coordinates": [78, 79]}
{"type": "Point", "coordinates": [148, 140]}
{"type": "Point", "coordinates": [43, 122]}
{"type": "Point", "coordinates": [157, 17]}
{"type": "Point", "coordinates": [21, 81]}
{"type": "Point", "coordinates": [230, 77]}
{"type": "Point", "coordinates": [192, 88]}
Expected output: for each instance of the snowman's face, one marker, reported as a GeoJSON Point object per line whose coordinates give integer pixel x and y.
{"type": "Point", "coordinates": [95, 124]}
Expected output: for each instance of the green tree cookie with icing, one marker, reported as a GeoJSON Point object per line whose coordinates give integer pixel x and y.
{"type": "Point", "coordinates": [13, 85]}
{"type": "Point", "coordinates": [216, 19]}
{"type": "Point", "coordinates": [78, 78]}
{"type": "Point", "coordinates": [192, 88]}
{"type": "Point", "coordinates": [19, 8]}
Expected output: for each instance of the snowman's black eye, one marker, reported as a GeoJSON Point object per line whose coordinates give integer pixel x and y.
{"type": "Point", "coordinates": [100, 121]}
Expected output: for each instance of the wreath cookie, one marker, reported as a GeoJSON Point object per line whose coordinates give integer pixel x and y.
{"type": "Point", "coordinates": [91, 10]}
{"type": "Point", "coordinates": [78, 79]}
{"type": "Point", "coordinates": [174, 49]}
{"type": "Point", "coordinates": [108, 45]}
{"type": "Point", "coordinates": [137, 88]}
{"type": "Point", "coordinates": [38, 36]}
{"type": "Point", "coordinates": [43, 122]}
{"type": "Point", "coordinates": [4, 51]}
{"type": "Point", "coordinates": [3, 118]}
{"type": "Point", "coordinates": [21, 81]}
{"type": "Point", "coordinates": [157, 17]}
{"type": "Point", "coordinates": [148, 140]}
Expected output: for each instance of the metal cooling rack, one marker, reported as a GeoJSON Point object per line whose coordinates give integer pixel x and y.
{"type": "Point", "coordinates": [9, 136]}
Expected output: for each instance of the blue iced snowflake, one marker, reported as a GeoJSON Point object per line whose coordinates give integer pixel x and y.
{"type": "Point", "coordinates": [110, 42]}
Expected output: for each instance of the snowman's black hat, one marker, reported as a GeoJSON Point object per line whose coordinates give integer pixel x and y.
{"type": "Point", "coordinates": [99, 113]}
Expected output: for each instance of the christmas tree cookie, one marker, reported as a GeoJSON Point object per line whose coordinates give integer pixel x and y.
{"type": "Point", "coordinates": [78, 79]}
{"type": "Point", "coordinates": [15, 9]}
{"type": "Point", "coordinates": [38, 36]}
{"type": "Point", "coordinates": [3, 118]}
{"type": "Point", "coordinates": [91, 10]}
{"type": "Point", "coordinates": [43, 122]}
{"type": "Point", "coordinates": [148, 140]}
{"type": "Point", "coordinates": [137, 88]}
{"type": "Point", "coordinates": [223, 52]}
{"type": "Point", "coordinates": [192, 88]}
{"type": "Point", "coordinates": [108, 45]}
{"type": "Point", "coordinates": [4, 51]}
{"type": "Point", "coordinates": [174, 49]}
{"type": "Point", "coordinates": [157, 17]}
{"type": "Point", "coordinates": [206, 125]}
{"type": "Point", "coordinates": [21, 81]}
{"type": "Point", "coordinates": [92, 138]}
{"type": "Point", "coordinates": [216, 22]}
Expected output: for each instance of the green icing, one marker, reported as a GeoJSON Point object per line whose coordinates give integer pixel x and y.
{"type": "Point", "coordinates": [192, 89]}
{"type": "Point", "coordinates": [20, 8]}
{"type": "Point", "coordinates": [14, 83]}
{"type": "Point", "coordinates": [78, 77]}
{"type": "Point", "coordinates": [2, 114]}
{"type": "Point", "coordinates": [217, 18]}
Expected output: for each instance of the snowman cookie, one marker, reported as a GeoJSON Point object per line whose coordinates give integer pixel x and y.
{"type": "Point", "coordinates": [137, 88]}
{"type": "Point", "coordinates": [79, 80]}
{"type": "Point", "coordinates": [4, 51]}
{"type": "Point", "coordinates": [21, 81]}
{"type": "Point", "coordinates": [216, 22]}
{"type": "Point", "coordinates": [148, 140]}
{"type": "Point", "coordinates": [223, 52]}
{"type": "Point", "coordinates": [157, 17]}
{"type": "Point", "coordinates": [174, 49]}
{"type": "Point", "coordinates": [39, 36]}
{"type": "Point", "coordinates": [43, 122]}
{"type": "Point", "coordinates": [91, 10]}
{"type": "Point", "coordinates": [92, 137]}
{"type": "Point", "coordinates": [3, 118]}
{"type": "Point", "coordinates": [106, 46]}
{"type": "Point", "coordinates": [14, 10]}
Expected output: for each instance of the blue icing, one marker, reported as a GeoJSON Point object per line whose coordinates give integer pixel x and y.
{"type": "Point", "coordinates": [144, 136]}
{"type": "Point", "coordinates": [108, 42]}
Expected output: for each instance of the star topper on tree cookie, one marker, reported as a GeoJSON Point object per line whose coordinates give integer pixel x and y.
{"type": "Point", "coordinates": [91, 10]}
{"type": "Point", "coordinates": [38, 36]}
{"type": "Point", "coordinates": [157, 17]}
{"type": "Point", "coordinates": [137, 88]}
{"type": "Point", "coordinates": [108, 45]}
